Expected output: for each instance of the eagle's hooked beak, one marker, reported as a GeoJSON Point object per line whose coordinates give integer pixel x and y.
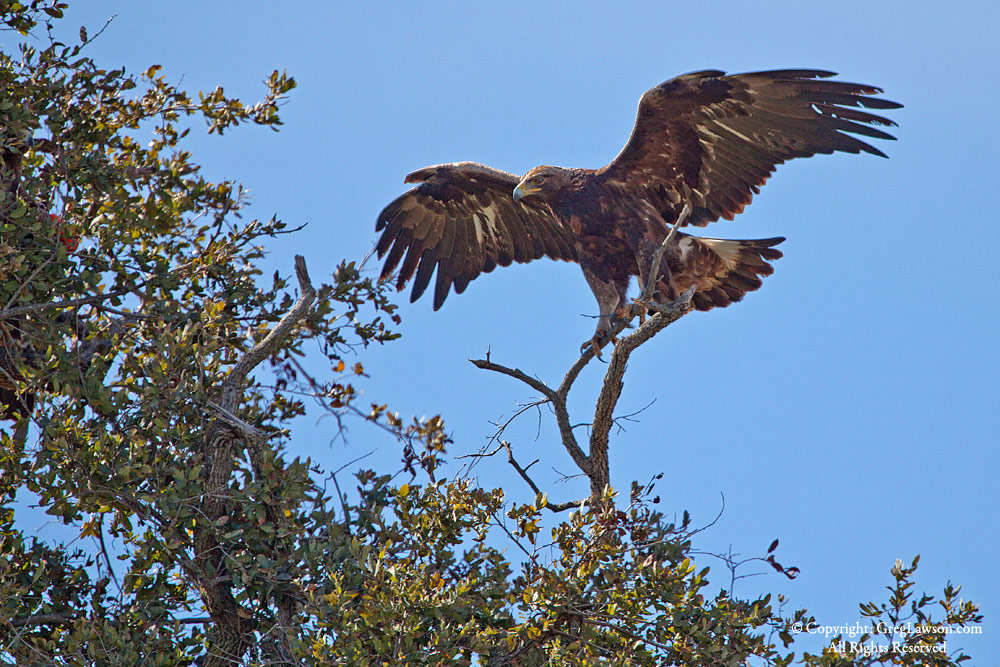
{"type": "Point", "coordinates": [519, 192]}
{"type": "Point", "coordinates": [523, 190]}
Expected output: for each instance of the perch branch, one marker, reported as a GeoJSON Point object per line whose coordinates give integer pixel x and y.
{"type": "Point", "coordinates": [611, 389]}
{"type": "Point", "coordinates": [558, 405]}
{"type": "Point", "coordinates": [624, 323]}
{"type": "Point", "coordinates": [595, 466]}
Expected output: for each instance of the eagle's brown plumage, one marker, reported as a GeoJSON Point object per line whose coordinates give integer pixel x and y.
{"type": "Point", "coordinates": [463, 220]}
{"type": "Point", "coordinates": [705, 139]}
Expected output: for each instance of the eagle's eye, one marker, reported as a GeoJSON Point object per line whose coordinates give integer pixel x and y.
{"type": "Point", "coordinates": [537, 180]}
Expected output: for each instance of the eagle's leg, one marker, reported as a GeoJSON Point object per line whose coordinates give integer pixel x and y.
{"type": "Point", "coordinates": [611, 302]}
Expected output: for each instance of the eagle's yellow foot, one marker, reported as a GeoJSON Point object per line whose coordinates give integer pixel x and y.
{"type": "Point", "coordinates": [627, 312]}
{"type": "Point", "coordinates": [595, 344]}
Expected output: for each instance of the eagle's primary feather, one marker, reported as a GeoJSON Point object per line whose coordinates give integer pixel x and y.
{"type": "Point", "coordinates": [706, 140]}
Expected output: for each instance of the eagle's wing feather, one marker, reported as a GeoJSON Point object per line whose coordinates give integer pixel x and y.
{"type": "Point", "coordinates": [462, 220]}
{"type": "Point", "coordinates": [712, 140]}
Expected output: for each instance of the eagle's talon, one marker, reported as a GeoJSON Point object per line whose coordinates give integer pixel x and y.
{"type": "Point", "coordinates": [600, 339]}
{"type": "Point", "coordinates": [594, 345]}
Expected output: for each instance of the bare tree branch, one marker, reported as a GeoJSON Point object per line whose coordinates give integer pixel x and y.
{"type": "Point", "coordinates": [558, 405]}
{"type": "Point", "coordinates": [654, 268]}
{"type": "Point", "coordinates": [233, 384]}
{"type": "Point", "coordinates": [232, 631]}
{"type": "Point", "coordinates": [8, 313]}
{"type": "Point", "coordinates": [534, 383]}
{"type": "Point", "coordinates": [595, 465]}
{"type": "Point", "coordinates": [523, 472]}
{"type": "Point", "coordinates": [611, 389]}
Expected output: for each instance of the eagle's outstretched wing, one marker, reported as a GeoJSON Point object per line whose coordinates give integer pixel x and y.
{"type": "Point", "coordinates": [712, 140]}
{"type": "Point", "coordinates": [463, 220]}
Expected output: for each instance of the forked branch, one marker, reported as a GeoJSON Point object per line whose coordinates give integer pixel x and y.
{"type": "Point", "coordinates": [595, 464]}
{"type": "Point", "coordinates": [558, 406]}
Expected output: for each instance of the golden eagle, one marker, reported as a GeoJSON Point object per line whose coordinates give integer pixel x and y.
{"type": "Point", "coordinates": [703, 140]}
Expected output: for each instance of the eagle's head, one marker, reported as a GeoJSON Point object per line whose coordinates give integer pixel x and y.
{"type": "Point", "coordinates": [542, 181]}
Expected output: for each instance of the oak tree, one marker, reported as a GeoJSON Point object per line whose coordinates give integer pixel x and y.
{"type": "Point", "coordinates": [149, 376]}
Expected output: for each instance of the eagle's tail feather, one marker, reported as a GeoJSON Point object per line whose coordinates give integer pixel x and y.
{"type": "Point", "coordinates": [724, 270]}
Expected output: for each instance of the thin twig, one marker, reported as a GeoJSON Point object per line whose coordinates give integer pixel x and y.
{"type": "Point", "coordinates": [353, 461]}
{"type": "Point", "coordinates": [523, 472]}
{"type": "Point", "coordinates": [91, 38]}
{"type": "Point", "coordinates": [711, 523]}
{"type": "Point", "coordinates": [512, 538]}
{"type": "Point", "coordinates": [340, 494]}
{"type": "Point", "coordinates": [484, 452]}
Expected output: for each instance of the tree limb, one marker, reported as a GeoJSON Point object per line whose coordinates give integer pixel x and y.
{"type": "Point", "coordinates": [611, 388]}
{"type": "Point", "coordinates": [233, 385]}
{"type": "Point", "coordinates": [558, 405]}
{"type": "Point", "coordinates": [8, 313]}
{"type": "Point", "coordinates": [595, 465]}
{"type": "Point", "coordinates": [232, 632]}
{"type": "Point", "coordinates": [654, 267]}
{"type": "Point", "coordinates": [523, 472]}
{"type": "Point", "coordinates": [42, 619]}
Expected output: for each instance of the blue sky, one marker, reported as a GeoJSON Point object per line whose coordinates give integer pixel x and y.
{"type": "Point", "coordinates": [849, 408]}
